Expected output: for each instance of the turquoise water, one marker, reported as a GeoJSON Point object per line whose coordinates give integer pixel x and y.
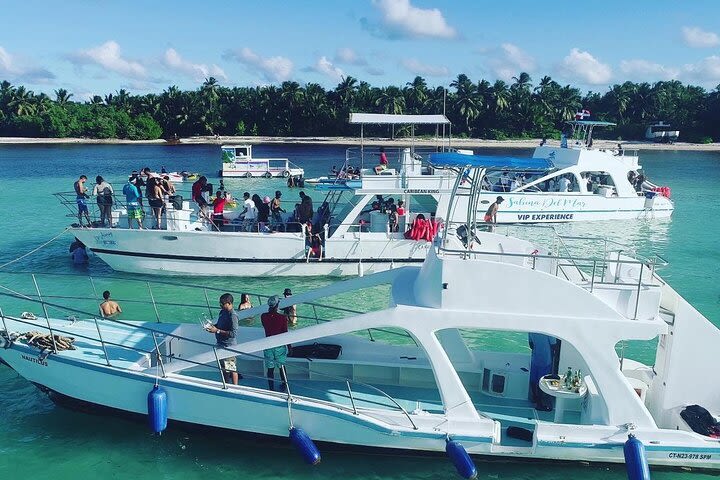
{"type": "Point", "coordinates": [39, 439]}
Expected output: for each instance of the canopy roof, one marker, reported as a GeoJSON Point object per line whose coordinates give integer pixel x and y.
{"type": "Point", "coordinates": [454, 159]}
{"type": "Point", "coordinates": [391, 119]}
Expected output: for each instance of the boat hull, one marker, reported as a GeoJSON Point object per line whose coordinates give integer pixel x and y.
{"type": "Point", "coordinates": [556, 208]}
{"type": "Point", "coordinates": [111, 390]}
{"type": "Point", "coordinates": [247, 254]}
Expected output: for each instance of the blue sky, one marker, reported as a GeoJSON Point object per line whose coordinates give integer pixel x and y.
{"type": "Point", "coordinates": [97, 47]}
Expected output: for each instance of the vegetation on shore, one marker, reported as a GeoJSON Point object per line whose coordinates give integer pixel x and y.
{"type": "Point", "coordinates": [499, 110]}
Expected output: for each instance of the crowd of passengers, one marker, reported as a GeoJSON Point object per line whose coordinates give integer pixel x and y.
{"type": "Point", "coordinates": [145, 184]}
{"type": "Point", "coordinates": [562, 183]}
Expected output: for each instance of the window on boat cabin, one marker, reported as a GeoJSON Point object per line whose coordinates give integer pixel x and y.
{"type": "Point", "coordinates": [597, 182]}
{"type": "Point", "coordinates": [241, 152]}
{"type": "Point", "coordinates": [555, 182]}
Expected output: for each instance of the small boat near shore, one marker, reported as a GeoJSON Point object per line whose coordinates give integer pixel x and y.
{"type": "Point", "coordinates": [238, 161]}
{"type": "Point", "coordinates": [414, 376]}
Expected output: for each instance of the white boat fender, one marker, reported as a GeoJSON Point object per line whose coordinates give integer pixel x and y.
{"type": "Point", "coordinates": [635, 460]}
{"type": "Point", "coordinates": [460, 458]}
{"type": "Point", "coordinates": [305, 446]}
{"type": "Point", "coordinates": [361, 270]}
{"type": "Point", "coordinates": [157, 409]}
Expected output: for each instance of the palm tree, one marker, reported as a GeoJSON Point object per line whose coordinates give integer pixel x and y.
{"type": "Point", "coordinates": [500, 96]}
{"type": "Point", "coordinates": [21, 102]}
{"type": "Point", "coordinates": [466, 103]}
{"type": "Point", "coordinates": [62, 97]}
{"type": "Point", "coordinates": [416, 94]}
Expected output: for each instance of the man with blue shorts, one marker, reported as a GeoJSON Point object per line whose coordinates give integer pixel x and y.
{"type": "Point", "coordinates": [275, 323]}
{"type": "Point", "coordinates": [80, 198]}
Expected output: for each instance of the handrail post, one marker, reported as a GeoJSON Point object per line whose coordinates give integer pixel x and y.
{"type": "Point", "coordinates": [639, 287]}
{"type": "Point", "coordinates": [102, 342]}
{"type": "Point", "coordinates": [352, 400]}
{"type": "Point", "coordinates": [222, 373]}
{"type": "Point", "coordinates": [2, 316]}
{"type": "Point", "coordinates": [45, 310]}
{"type": "Point", "coordinates": [592, 279]}
{"type": "Point", "coordinates": [152, 298]}
{"type": "Point", "coordinates": [207, 302]}
{"type": "Point", "coordinates": [317, 321]}
{"type": "Point", "coordinates": [159, 355]}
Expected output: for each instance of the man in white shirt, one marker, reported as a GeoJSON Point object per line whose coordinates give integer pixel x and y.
{"type": "Point", "coordinates": [249, 213]}
{"type": "Point", "coordinates": [564, 184]}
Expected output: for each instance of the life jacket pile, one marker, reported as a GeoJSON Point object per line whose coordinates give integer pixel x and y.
{"type": "Point", "coordinates": [423, 229]}
{"type": "Point", "coordinates": [664, 191]}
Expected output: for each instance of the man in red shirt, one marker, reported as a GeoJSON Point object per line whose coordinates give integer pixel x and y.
{"type": "Point", "coordinates": [275, 323]}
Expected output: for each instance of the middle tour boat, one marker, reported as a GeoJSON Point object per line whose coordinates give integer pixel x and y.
{"type": "Point", "coordinates": [421, 373]}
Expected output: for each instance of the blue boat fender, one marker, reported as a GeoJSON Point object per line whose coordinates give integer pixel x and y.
{"type": "Point", "coordinates": [460, 458]}
{"type": "Point", "coordinates": [305, 446]}
{"type": "Point", "coordinates": [157, 409]}
{"type": "Point", "coordinates": [635, 460]}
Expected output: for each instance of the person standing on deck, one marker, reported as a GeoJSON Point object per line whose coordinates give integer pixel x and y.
{"type": "Point", "coordinates": [276, 209]}
{"type": "Point", "coordinates": [132, 202]}
{"type": "Point", "coordinates": [541, 364]}
{"type": "Point", "coordinates": [109, 308]}
{"type": "Point", "coordinates": [80, 196]}
{"type": "Point", "coordinates": [103, 192]}
{"type": "Point", "coordinates": [491, 214]}
{"type": "Point", "coordinates": [275, 323]}
{"type": "Point", "coordinates": [225, 330]}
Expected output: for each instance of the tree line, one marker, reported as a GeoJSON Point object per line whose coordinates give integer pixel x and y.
{"type": "Point", "coordinates": [499, 110]}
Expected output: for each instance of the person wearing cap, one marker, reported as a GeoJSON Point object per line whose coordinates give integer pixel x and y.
{"type": "Point", "coordinates": [290, 311]}
{"type": "Point", "coordinates": [225, 332]}
{"type": "Point", "coordinates": [275, 323]}
{"type": "Point", "coordinates": [132, 202]}
{"type": "Point", "coordinates": [491, 214]}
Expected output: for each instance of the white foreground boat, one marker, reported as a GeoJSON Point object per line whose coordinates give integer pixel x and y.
{"type": "Point", "coordinates": [440, 380]}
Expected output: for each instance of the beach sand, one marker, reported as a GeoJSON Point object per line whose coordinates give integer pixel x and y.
{"type": "Point", "coordinates": [455, 142]}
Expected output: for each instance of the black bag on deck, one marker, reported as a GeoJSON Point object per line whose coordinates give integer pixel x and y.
{"type": "Point", "coordinates": [176, 201]}
{"type": "Point", "coordinates": [325, 351]}
{"type": "Point", "coordinates": [700, 420]}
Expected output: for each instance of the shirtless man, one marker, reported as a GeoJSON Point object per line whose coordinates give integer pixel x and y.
{"type": "Point", "coordinates": [491, 214]}
{"type": "Point", "coordinates": [109, 308]}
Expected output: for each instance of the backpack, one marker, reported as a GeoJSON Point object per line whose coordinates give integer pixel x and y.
{"type": "Point", "coordinates": [700, 421]}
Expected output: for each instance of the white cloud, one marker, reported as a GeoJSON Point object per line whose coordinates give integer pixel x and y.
{"type": "Point", "coordinates": [326, 67]}
{"type": "Point", "coordinates": [644, 70]}
{"type": "Point", "coordinates": [582, 66]}
{"type": "Point", "coordinates": [13, 69]}
{"type": "Point", "coordinates": [108, 56]}
{"type": "Point", "coordinates": [406, 19]}
{"type": "Point", "coordinates": [706, 71]}
{"type": "Point", "coordinates": [414, 66]}
{"type": "Point", "coordinates": [348, 56]}
{"type": "Point", "coordinates": [699, 38]}
{"type": "Point", "coordinates": [197, 71]}
{"type": "Point", "coordinates": [273, 69]}
{"type": "Point", "coordinates": [508, 60]}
